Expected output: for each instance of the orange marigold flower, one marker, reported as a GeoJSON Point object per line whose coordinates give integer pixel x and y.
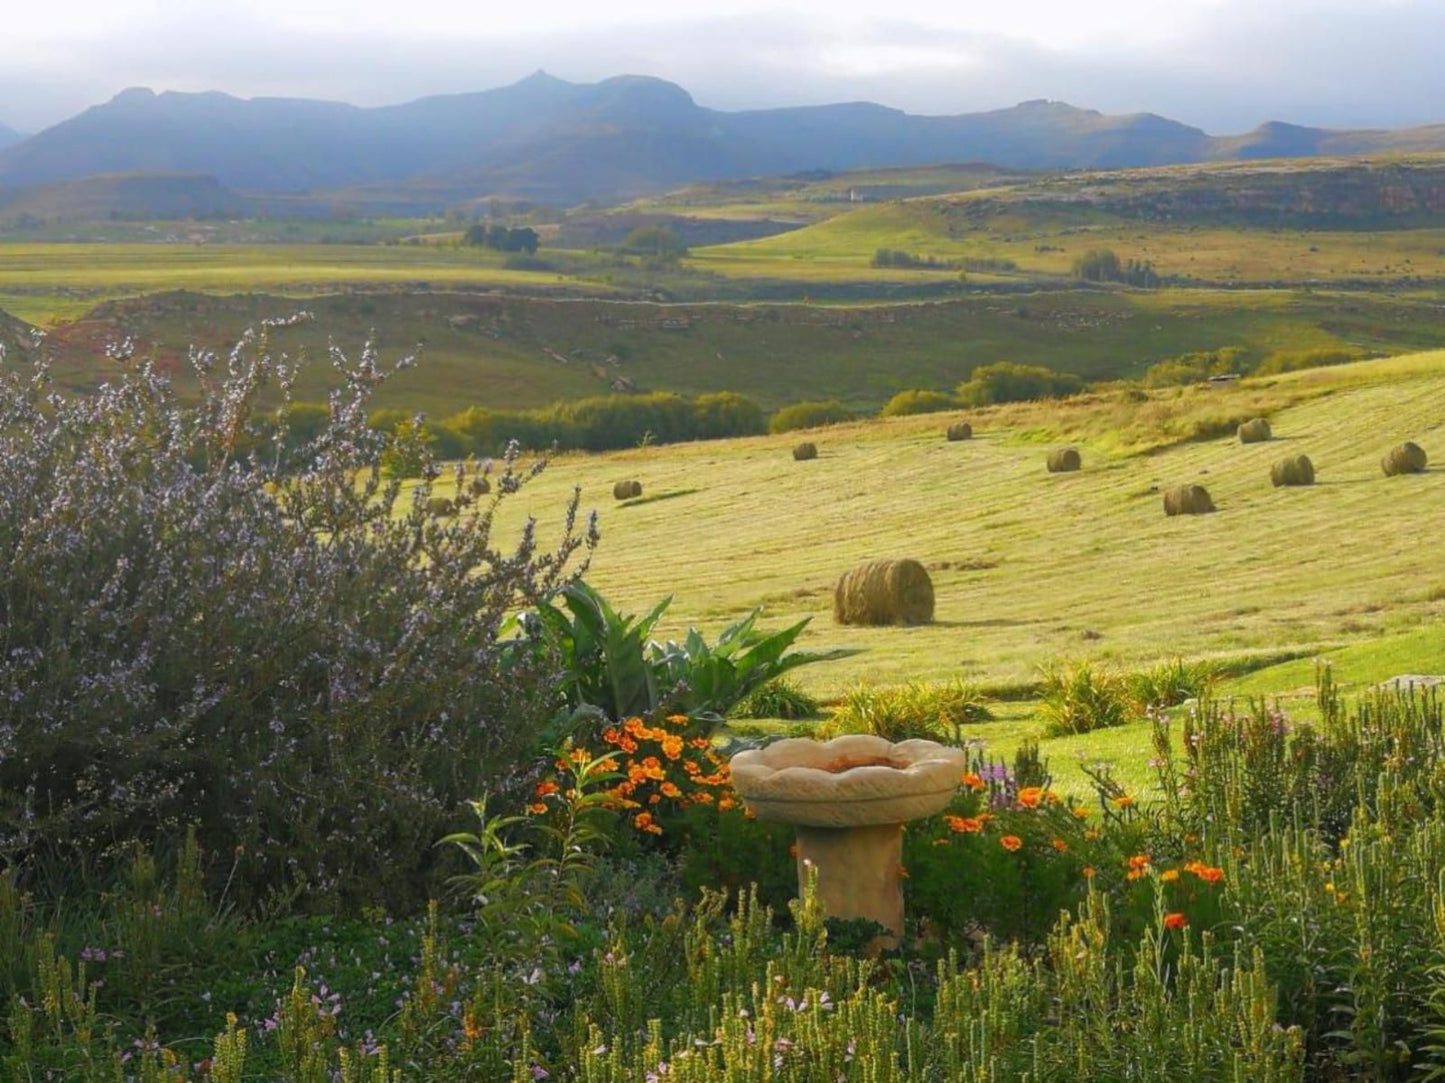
{"type": "Point", "coordinates": [678, 719]}
{"type": "Point", "coordinates": [1169, 875]}
{"type": "Point", "coordinates": [1089, 872]}
{"type": "Point", "coordinates": [670, 790]}
{"type": "Point", "coordinates": [1138, 861]}
{"type": "Point", "coordinates": [1210, 874]}
{"type": "Point", "coordinates": [545, 789]}
{"type": "Point", "coordinates": [1030, 796]}
{"type": "Point", "coordinates": [654, 799]}
{"type": "Point", "coordinates": [580, 755]}
{"type": "Point", "coordinates": [1124, 801]}
{"type": "Point", "coordinates": [1080, 813]}
{"type": "Point", "coordinates": [612, 735]}
{"type": "Point", "coordinates": [1060, 845]}
{"type": "Point", "coordinates": [634, 726]}
{"type": "Point", "coordinates": [1175, 920]}
{"type": "Point", "coordinates": [672, 746]}
{"type": "Point", "coordinates": [537, 808]}
{"type": "Point", "coordinates": [643, 822]}
{"type": "Point", "coordinates": [961, 824]}
{"type": "Point", "coordinates": [1011, 843]}
{"type": "Point", "coordinates": [691, 768]}
{"type": "Point", "coordinates": [700, 742]}
{"type": "Point", "coordinates": [973, 782]}
{"type": "Point", "coordinates": [609, 764]}
{"type": "Point", "coordinates": [702, 798]}
{"type": "Point", "coordinates": [725, 803]}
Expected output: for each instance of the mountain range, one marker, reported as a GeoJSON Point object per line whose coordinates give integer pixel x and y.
{"type": "Point", "coordinates": [8, 136]}
{"type": "Point", "coordinates": [547, 140]}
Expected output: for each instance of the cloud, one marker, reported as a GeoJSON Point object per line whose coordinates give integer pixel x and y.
{"type": "Point", "coordinates": [1224, 66]}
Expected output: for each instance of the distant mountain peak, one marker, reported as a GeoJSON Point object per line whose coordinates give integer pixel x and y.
{"type": "Point", "coordinates": [134, 95]}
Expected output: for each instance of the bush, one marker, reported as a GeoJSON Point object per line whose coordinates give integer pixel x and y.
{"type": "Point", "coordinates": [278, 646]}
{"type": "Point", "coordinates": [934, 710]}
{"type": "Point", "coordinates": [1193, 368]}
{"type": "Point", "coordinates": [1009, 382]}
{"type": "Point", "coordinates": [918, 402]}
{"type": "Point", "coordinates": [1169, 684]}
{"type": "Point", "coordinates": [809, 415]}
{"type": "Point", "coordinates": [894, 257]}
{"type": "Point", "coordinates": [1082, 697]}
{"type": "Point", "coordinates": [779, 698]}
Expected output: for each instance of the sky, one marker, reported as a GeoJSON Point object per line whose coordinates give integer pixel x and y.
{"type": "Point", "coordinates": [1224, 65]}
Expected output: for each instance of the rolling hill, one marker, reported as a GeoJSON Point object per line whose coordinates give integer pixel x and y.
{"type": "Point", "coordinates": [9, 136]}
{"type": "Point", "coordinates": [124, 196]}
{"type": "Point", "coordinates": [548, 140]}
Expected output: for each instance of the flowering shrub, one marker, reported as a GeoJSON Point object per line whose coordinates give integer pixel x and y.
{"type": "Point", "coordinates": [209, 622]}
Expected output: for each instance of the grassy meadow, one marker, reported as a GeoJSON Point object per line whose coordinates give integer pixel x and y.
{"type": "Point", "coordinates": [1029, 567]}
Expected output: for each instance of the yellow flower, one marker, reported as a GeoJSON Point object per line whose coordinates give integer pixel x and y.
{"type": "Point", "coordinates": [1124, 801]}
{"type": "Point", "coordinates": [1169, 875]}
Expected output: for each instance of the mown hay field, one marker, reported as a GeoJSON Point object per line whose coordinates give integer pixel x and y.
{"type": "Point", "coordinates": [1029, 566]}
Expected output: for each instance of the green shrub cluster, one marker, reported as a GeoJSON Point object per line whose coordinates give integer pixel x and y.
{"type": "Point", "coordinates": [1193, 368]}
{"type": "Point", "coordinates": [1293, 360]}
{"type": "Point", "coordinates": [779, 698]}
{"type": "Point", "coordinates": [809, 415]}
{"type": "Point", "coordinates": [1010, 382]}
{"type": "Point", "coordinates": [918, 402]}
{"type": "Point", "coordinates": [937, 710]}
{"type": "Point", "coordinates": [898, 258]}
{"type": "Point", "coordinates": [1085, 696]}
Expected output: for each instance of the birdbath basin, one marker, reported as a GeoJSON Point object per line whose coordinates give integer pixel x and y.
{"type": "Point", "coordinates": [849, 799]}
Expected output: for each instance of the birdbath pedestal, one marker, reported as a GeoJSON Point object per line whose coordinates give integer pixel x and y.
{"type": "Point", "coordinates": [849, 799]}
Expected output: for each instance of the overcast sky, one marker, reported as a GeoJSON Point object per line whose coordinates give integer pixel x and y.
{"type": "Point", "coordinates": [1225, 65]}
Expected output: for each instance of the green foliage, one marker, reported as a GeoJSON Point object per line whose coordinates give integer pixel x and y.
{"type": "Point", "coordinates": [918, 402]}
{"type": "Point", "coordinates": [779, 698]}
{"type": "Point", "coordinates": [1081, 697]}
{"type": "Point", "coordinates": [1009, 382]}
{"type": "Point", "coordinates": [1193, 368]}
{"type": "Point", "coordinates": [1169, 684]}
{"type": "Point", "coordinates": [610, 664]}
{"type": "Point", "coordinates": [898, 258]}
{"type": "Point", "coordinates": [502, 239]}
{"type": "Point", "coordinates": [1103, 265]}
{"type": "Point", "coordinates": [607, 423]}
{"type": "Point", "coordinates": [657, 242]}
{"type": "Point", "coordinates": [809, 415]}
{"type": "Point", "coordinates": [938, 710]}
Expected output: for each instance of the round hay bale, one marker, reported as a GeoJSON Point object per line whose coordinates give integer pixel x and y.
{"type": "Point", "coordinates": [960, 430]}
{"type": "Point", "coordinates": [480, 486]}
{"type": "Point", "coordinates": [1188, 500]}
{"type": "Point", "coordinates": [1063, 460]}
{"type": "Point", "coordinates": [884, 592]}
{"type": "Point", "coordinates": [1254, 432]}
{"type": "Point", "coordinates": [439, 506]}
{"type": "Point", "coordinates": [1406, 458]}
{"type": "Point", "coordinates": [1294, 470]}
{"type": "Point", "coordinates": [627, 490]}
{"type": "Point", "coordinates": [805, 451]}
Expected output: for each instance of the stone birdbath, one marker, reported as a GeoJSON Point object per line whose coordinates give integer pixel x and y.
{"type": "Point", "coordinates": [849, 799]}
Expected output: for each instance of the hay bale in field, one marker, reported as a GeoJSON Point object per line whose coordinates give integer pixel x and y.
{"type": "Point", "coordinates": [960, 430]}
{"type": "Point", "coordinates": [1188, 500]}
{"type": "Point", "coordinates": [627, 490]}
{"type": "Point", "coordinates": [805, 451]}
{"type": "Point", "coordinates": [1406, 458]}
{"type": "Point", "coordinates": [480, 486]}
{"type": "Point", "coordinates": [884, 592]}
{"type": "Point", "coordinates": [1063, 460]}
{"type": "Point", "coordinates": [440, 505]}
{"type": "Point", "coordinates": [1294, 470]}
{"type": "Point", "coordinates": [1254, 432]}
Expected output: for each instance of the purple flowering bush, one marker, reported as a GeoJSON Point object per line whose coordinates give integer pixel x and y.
{"type": "Point", "coordinates": [206, 619]}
